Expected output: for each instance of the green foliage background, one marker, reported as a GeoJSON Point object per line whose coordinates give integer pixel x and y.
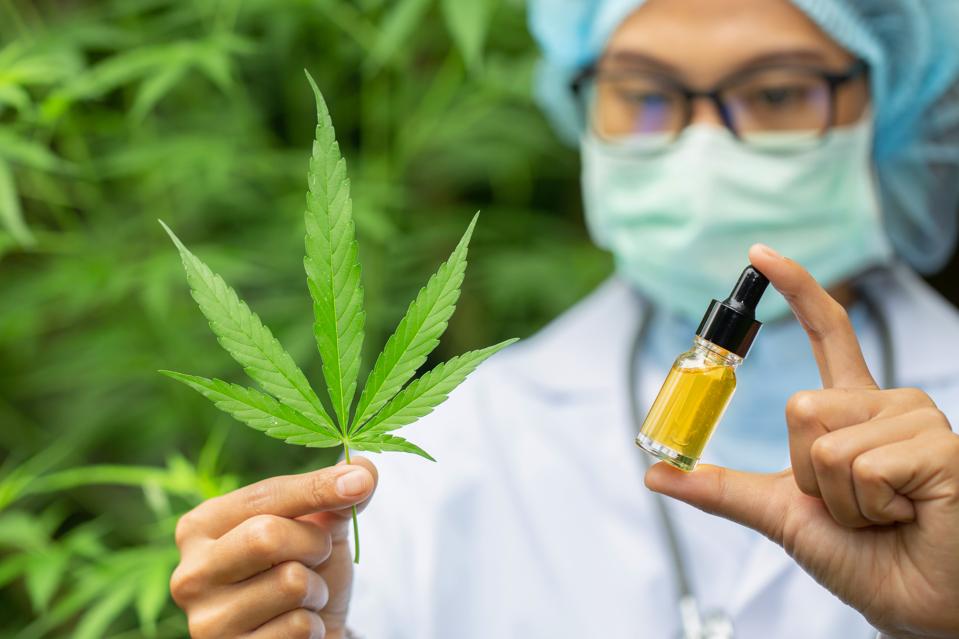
{"type": "Point", "coordinates": [114, 113]}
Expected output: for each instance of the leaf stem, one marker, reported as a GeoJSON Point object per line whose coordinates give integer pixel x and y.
{"type": "Point", "coordinates": [356, 526]}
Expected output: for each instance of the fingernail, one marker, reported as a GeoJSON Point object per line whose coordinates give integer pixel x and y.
{"type": "Point", "coordinates": [352, 484]}
{"type": "Point", "coordinates": [769, 251]}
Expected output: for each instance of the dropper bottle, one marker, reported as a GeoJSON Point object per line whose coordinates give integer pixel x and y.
{"type": "Point", "coordinates": [702, 380]}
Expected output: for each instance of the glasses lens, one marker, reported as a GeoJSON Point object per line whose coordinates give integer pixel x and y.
{"type": "Point", "coordinates": [784, 108]}
{"type": "Point", "coordinates": [631, 107]}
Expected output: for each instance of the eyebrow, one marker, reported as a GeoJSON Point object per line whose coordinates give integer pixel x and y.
{"type": "Point", "coordinates": [636, 58]}
{"type": "Point", "coordinates": [786, 57]}
{"type": "Point", "coordinates": [793, 56]}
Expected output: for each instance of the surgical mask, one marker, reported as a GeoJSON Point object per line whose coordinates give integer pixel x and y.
{"type": "Point", "coordinates": [679, 222]}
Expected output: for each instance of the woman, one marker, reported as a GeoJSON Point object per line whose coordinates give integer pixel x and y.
{"type": "Point", "coordinates": [706, 126]}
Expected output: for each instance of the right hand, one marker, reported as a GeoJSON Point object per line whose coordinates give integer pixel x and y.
{"type": "Point", "coordinates": [870, 506]}
{"type": "Point", "coordinates": [272, 559]}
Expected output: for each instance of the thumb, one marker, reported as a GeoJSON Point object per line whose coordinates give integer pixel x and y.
{"type": "Point", "coordinates": [754, 500]}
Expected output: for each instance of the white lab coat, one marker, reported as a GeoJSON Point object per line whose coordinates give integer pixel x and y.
{"type": "Point", "coordinates": [535, 521]}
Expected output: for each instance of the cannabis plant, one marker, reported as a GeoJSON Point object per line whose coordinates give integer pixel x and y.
{"type": "Point", "coordinates": [290, 409]}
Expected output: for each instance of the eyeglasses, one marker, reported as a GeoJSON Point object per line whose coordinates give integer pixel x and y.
{"type": "Point", "coordinates": [776, 108]}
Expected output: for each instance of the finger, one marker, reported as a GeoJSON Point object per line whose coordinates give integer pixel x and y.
{"type": "Point", "coordinates": [875, 496]}
{"type": "Point", "coordinates": [759, 501]}
{"type": "Point", "coordinates": [833, 457]}
{"type": "Point", "coordinates": [833, 340]}
{"type": "Point", "coordinates": [296, 623]}
{"type": "Point", "coordinates": [895, 482]}
{"type": "Point", "coordinates": [335, 520]}
{"type": "Point", "coordinates": [261, 542]}
{"type": "Point", "coordinates": [328, 489]}
{"type": "Point", "coordinates": [347, 513]}
{"type": "Point", "coordinates": [812, 414]}
{"type": "Point", "coordinates": [248, 605]}
{"type": "Point", "coordinates": [338, 569]}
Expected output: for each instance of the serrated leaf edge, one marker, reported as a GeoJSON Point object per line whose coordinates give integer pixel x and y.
{"type": "Point", "coordinates": [235, 393]}
{"type": "Point", "coordinates": [456, 369]}
{"type": "Point", "coordinates": [405, 351]}
{"type": "Point", "coordinates": [306, 393]}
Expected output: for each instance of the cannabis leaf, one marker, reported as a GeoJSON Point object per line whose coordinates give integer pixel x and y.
{"type": "Point", "coordinates": [332, 269]}
{"type": "Point", "coordinates": [245, 337]}
{"type": "Point", "coordinates": [417, 334]}
{"type": "Point", "coordinates": [289, 409]}
{"type": "Point", "coordinates": [426, 393]}
{"type": "Point", "coordinates": [260, 411]}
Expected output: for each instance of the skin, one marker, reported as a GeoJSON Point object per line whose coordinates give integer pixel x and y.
{"type": "Point", "coordinates": [721, 37]}
{"type": "Point", "coordinates": [724, 37]}
{"type": "Point", "coordinates": [271, 560]}
{"type": "Point", "coordinates": [870, 507]}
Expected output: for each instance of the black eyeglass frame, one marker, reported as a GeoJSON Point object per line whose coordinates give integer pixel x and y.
{"type": "Point", "coordinates": [833, 80]}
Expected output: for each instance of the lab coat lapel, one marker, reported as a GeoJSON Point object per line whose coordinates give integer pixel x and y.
{"type": "Point", "coordinates": [583, 354]}
{"type": "Point", "coordinates": [766, 563]}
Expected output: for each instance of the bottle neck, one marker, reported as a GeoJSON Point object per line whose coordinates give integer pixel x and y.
{"type": "Point", "coordinates": [716, 354]}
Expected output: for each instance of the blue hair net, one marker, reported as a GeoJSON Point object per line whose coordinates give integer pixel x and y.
{"type": "Point", "coordinates": [912, 48]}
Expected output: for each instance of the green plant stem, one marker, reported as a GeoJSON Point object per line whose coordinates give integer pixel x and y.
{"type": "Point", "coordinates": [356, 526]}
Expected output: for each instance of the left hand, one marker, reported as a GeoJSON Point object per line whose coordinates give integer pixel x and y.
{"type": "Point", "coordinates": [870, 506]}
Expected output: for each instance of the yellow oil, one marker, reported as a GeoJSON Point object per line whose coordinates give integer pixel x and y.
{"type": "Point", "coordinates": [685, 413]}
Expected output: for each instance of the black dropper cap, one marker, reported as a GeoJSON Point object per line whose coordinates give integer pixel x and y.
{"type": "Point", "coordinates": [731, 324]}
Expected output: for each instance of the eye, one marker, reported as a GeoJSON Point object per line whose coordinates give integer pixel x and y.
{"type": "Point", "coordinates": [779, 97]}
{"type": "Point", "coordinates": [645, 99]}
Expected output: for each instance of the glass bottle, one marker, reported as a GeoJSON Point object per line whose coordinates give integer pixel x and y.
{"type": "Point", "coordinates": [702, 380]}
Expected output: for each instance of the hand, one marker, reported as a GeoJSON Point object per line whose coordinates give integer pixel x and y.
{"type": "Point", "coordinates": [870, 507]}
{"type": "Point", "coordinates": [272, 559]}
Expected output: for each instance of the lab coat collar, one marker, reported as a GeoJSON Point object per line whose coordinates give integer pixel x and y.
{"type": "Point", "coordinates": [924, 326]}
{"type": "Point", "coordinates": [584, 353]}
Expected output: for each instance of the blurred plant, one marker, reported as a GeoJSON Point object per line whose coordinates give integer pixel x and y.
{"type": "Point", "coordinates": [116, 112]}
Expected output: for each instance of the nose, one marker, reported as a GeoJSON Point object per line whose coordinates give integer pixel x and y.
{"type": "Point", "coordinates": [705, 111]}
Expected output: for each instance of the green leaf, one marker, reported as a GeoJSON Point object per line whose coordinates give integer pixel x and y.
{"type": "Point", "coordinates": [396, 27]}
{"type": "Point", "coordinates": [12, 567]}
{"type": "Point", "coordinates": [43, 576]}
{"type": "Point", "coordinates": [11, 216]}
{"type": "Point", "coordinates": [468, 22]}
{"type": "Point", "coordinates": [18, 149]}
{"type": "Point", "coordinates": [261, 412]}
{"type": "Point", "coordinates": [15, 96]}
{"type": "Point", "coordinates": [152, 596]}
{"type": "Point", "coordinates": [428, 392]}
{"type": "Point", "coordinates": [95, 621]}
{"type": "Point", "coordinates": [333, 272]}
{"type": "Point", "coordinates": [380, 442]}
{"type": "Point", "coordinates": [244, 336]}
{"type": "Point", "coordinates": [23, 531]}
{"type": "Point", "coordinates": [154, 88]}
{"type": "Point", "coordinates": [417, 335]}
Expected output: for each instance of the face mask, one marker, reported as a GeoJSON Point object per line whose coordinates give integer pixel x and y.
{"type": "Point", "coordinates": [679, 222]}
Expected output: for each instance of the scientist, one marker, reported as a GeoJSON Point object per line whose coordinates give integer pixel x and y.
{"type": "Point", "coordinates": [825, 129]}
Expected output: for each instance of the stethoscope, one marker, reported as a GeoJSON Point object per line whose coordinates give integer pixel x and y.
{"type": "Point", "coordinates": [717, 624]}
